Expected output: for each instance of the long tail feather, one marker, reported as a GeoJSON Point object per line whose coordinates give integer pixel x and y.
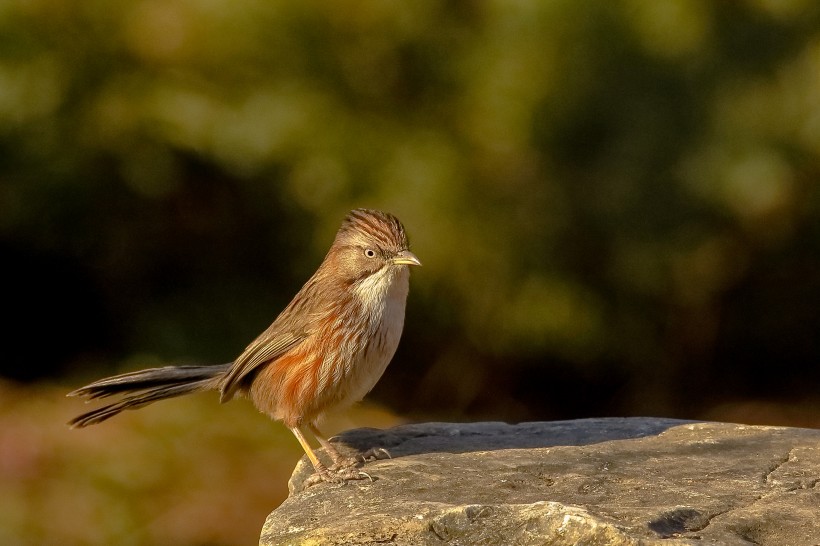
{"type": "Point", "coordinates": [145, 387]}
{"type": "Point", "coordinates": [146, 379]}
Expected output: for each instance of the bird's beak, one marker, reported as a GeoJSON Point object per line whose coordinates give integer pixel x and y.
{"type": "Point", "coordinates": [405, 257]}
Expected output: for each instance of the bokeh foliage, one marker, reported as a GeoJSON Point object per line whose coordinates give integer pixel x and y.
{"type": "Point", "coordinates": [624, 192]}
{"type": "Point", "coordinates": [616, 203]}
{"type": "Point", "coordinates": [619, 196]}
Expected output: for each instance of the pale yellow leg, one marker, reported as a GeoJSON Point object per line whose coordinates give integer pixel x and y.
{"type": "Point", "coordinates": [317, 464]}
{"type": "Point", "coordinates": [340, 460]}
{"type": "Point", "coordinates": [335, 455]}
{"type": "Point", "coordinates": [339, 473]}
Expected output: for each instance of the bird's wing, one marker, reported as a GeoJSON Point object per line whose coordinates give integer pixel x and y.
{"type": "Point", "coordinates": [265, 348]}
{"type": "Point", "coordinates": [293, 325]}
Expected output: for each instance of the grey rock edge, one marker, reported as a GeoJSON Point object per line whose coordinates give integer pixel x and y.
{"type": "Point", "coordinates": [633, 481]}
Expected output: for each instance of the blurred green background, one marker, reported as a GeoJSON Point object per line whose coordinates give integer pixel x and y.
{"type": "Point", "coordinates": [616, 205]}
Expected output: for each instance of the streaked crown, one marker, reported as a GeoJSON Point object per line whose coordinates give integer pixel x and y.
{"type": "Point", "coordinates": [374, 226]}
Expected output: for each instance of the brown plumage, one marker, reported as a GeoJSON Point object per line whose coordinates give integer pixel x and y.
{"type": "Point", "coordinates": [324, 351]}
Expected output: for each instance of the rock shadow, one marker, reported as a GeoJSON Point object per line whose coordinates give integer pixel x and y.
{"type": "Point", "coordinates": [413, 439]}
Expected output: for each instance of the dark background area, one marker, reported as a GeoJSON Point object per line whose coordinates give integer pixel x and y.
{"type": "Point", "coordinates": [616, 203]}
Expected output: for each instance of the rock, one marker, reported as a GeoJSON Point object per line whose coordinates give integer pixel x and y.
{"type": "Point", "coordinates": [632, 481]}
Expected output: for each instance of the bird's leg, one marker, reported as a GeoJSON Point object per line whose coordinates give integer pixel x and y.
{"type": "Point", "coordinates": [336, 474]}
{"type": "Point", "coordinates": [340, 461]}
{"type": "Point", "coordinates": [317, 464]}
{"type": "Point", "coordinates": [338, 458]}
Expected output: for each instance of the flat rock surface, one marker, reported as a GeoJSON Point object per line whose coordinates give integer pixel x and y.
{"type": "Point", "coordinates": [636, 481]}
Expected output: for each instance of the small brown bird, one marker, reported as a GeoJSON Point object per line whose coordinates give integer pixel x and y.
{"type": "Point", "coordinates": [325, 351]}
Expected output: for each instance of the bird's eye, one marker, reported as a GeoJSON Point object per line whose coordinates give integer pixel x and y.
{"type": "Point", "coordinates": [370, 253]}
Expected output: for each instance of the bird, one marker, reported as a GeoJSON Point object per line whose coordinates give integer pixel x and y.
{"type": "Point", "coordinates": [325, 351]}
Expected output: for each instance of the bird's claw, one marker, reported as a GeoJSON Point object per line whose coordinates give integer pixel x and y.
{"type": "Point", "coordinates": [374, 454]}
{"type": "Point", "coordinates": [338, 475]}
{"type": "Point", "coordinates": [346, 469]}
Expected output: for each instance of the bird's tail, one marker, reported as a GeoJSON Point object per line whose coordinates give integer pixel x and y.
{"type": "Point", "coordinates": [145, 387]}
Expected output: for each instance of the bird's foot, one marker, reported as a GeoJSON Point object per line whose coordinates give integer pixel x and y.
{"type": "Point", "coordinates": [373, 454]}
{"type": "Point", "coordinates": [337, 474]}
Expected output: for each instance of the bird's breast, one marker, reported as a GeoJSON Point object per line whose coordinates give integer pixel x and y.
{"type": "Point", "coordinates": [383, 298]}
